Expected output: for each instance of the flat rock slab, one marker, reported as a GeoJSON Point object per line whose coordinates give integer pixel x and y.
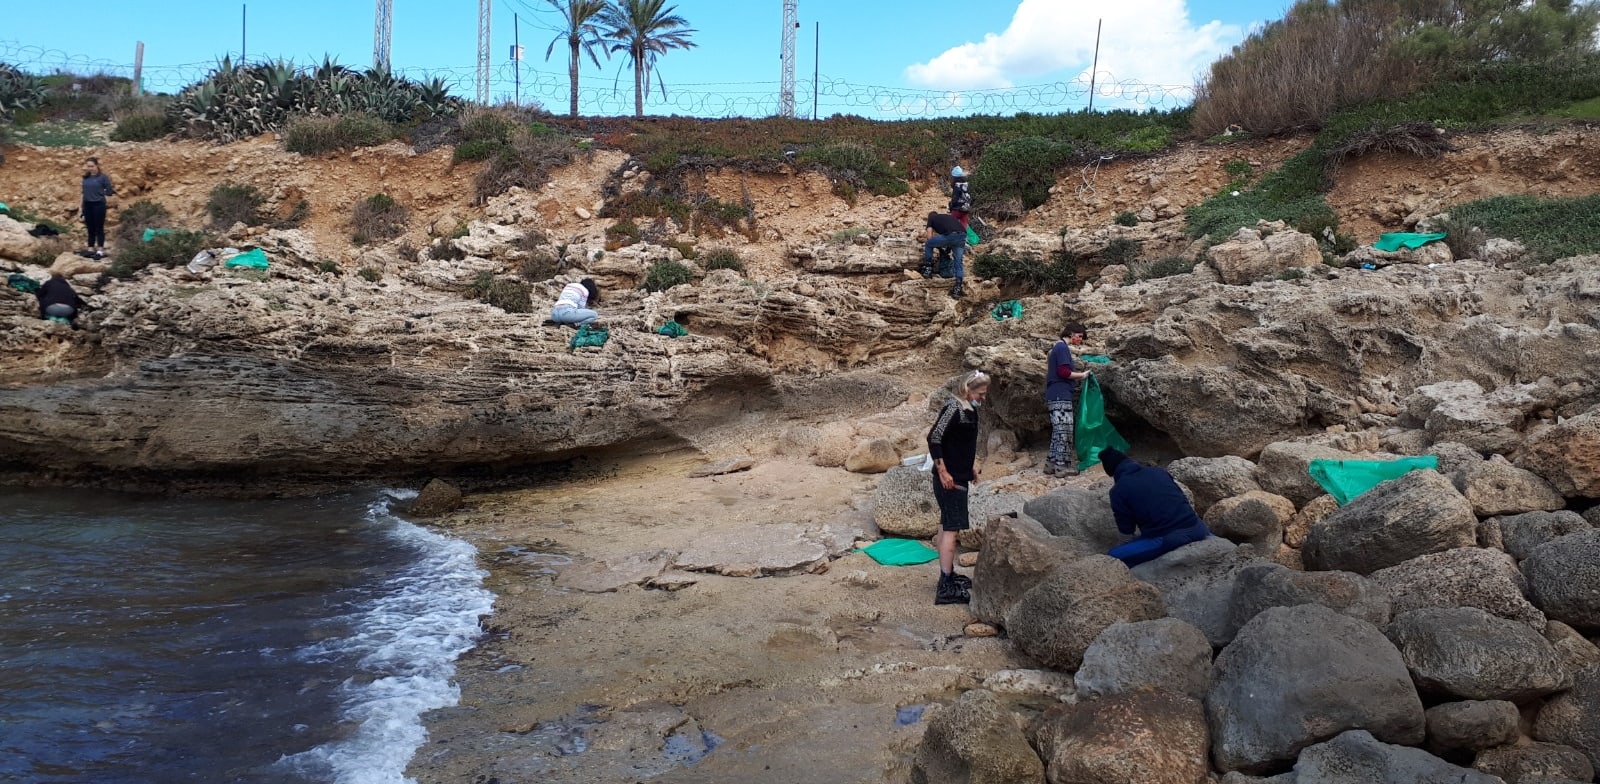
{"type": "Point", "coordinates": [608, 576]}
{"type": "Point", "coordinates": [673, 580]}
{"type": "Point", "coordinates": [775, 549]}
{"type": "Point", "coordinates": [731, 465]}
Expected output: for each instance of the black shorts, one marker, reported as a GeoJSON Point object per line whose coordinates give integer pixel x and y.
{"type": "Point", "coordinates": [952, 505]}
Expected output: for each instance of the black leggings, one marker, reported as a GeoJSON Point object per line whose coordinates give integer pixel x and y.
{"type": "Point", "coordinates": [94, 217]}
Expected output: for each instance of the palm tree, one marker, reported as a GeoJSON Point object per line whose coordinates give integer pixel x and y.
{"type": "Point", "coordinates": [644, 30]}
{"type": "Point", "coordinates": [581, 34]}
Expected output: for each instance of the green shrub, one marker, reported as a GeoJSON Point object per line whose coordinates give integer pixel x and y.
{"type": "Point", "coordinates": [487, 125]}
{"type": "Point", "coordinates": [858, 166]}
{"type": "Point", "coordinates": [1017, 175]}
{"type": "Point", "coordinates": [1031, 273]}
{"type": "Point", "coordinates": [317, 135]}
{"type": "Point", "coordinates": [623, 232]}
{"type": "Point", "coordinates": [665, 274]}
{"type": "Point", "coordinates": [1160, 268]}
{"type": "Point", "coordinates": [166, 250]}
{"type": "Point", "coordinates": [540, 265]}
{"type": "Point", "coordinates": [1549, 229]}
{"type": "Point", "coordinates": [721, 258]}
{"type": "Point", "coordinates": [848, 236]}
{"type": "Point", "coordinates": [378, 217]}
{"type": "Point", "coordinates": [142, 127]}
{"type": "Point", "coordinates": [232, 203]}
{"type": "Point", "coordinates": [1126, 219]}
{"type": "Point", "coordinates": [511, 296]}
{"type": "Point", "coordinates": [133, 219]}
{"type": "Point", "coordinates": [476, 150]}
{"type": "Point", "coordinates": [327, 265]}
{"type": "Point", "coordinates": [443, 249]}
{"type": "Point", "coordinates": [19, 91]}
{"type": "Point", "coordinates": [1122, 251]}
{"type": "Point", "coordinates": [369, 274]}
{"type": "Point", "coordinates": [1293, 273]}
{"type": "Point", "coordinates": [526, 162]}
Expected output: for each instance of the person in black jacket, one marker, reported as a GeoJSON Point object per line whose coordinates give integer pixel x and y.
{"type": "Point", "coordinates": [1146, 499]}
{"type": "Point", "coordinates": [953, 444]}
{"type": "Point", "coordinates": [58, 300]}
{"type": "Point", "coordinates": [945, 233]}
{"type": "Point", "coordinates": [960, 196]}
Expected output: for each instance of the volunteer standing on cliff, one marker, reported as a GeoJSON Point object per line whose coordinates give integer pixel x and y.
{"type": "Point", "coordinates": [1061, 378]}
{"type": "Point", "coordinates": [953, 444]}
{"type": "Point", "coordinates": [96, 190]}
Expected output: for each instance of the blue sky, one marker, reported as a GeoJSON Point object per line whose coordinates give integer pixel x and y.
{"type": "Point", "coordinates": [878, 57]}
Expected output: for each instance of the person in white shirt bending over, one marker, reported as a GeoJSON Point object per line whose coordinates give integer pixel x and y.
{"type": "Point", "coordinates": [572, 307]}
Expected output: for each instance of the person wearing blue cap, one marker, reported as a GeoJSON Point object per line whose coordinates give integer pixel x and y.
{"type": "Point", "coordinates": [960, 196]}
{"type": "Point", "coordinates": [1146, 500]}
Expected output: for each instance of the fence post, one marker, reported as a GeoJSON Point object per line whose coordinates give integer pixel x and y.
{"type": "Point", "coordinates": [138, 69]}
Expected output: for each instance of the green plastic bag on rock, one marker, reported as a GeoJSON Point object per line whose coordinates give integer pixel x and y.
{"type": "Point", "coordinates": [1093, 433]}
{"type": "Point", "coordinates": [1346, 479]}
{"type": "Point", "coordinates": [588, 336]}
{"type": "Point", "coordinates": [150, 234]}
{"type": "Point", "coordinates": [1009, 309]}
{"type": "Point", "coordinates": [250, 259]}
{"type": "Point", "coordinates": [672, 329]}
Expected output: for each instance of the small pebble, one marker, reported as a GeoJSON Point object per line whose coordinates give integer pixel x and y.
{"type": "Point", "coordinates": [968, 560]}
{"type": "Point", "coordinates": [980, 630]}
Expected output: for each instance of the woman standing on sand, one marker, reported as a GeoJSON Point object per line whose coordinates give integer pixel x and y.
{"type": "Point", "coordinates": [96, 190]}
{"type": "Point", "coordinates": [953, 444]}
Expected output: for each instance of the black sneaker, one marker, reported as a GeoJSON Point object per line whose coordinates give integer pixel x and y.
{"type": "Point", "coordinates": [962, 580]}
{"type": "Point", "coordinates": [951, 592]}
{"type": "Point", "coordinates": [927, 271]}
{"type": "Point", "coordinates": [955, 291]}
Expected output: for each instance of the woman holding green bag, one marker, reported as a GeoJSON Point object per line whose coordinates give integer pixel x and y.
{"type": "Point", "coordinates": [1061, 378]}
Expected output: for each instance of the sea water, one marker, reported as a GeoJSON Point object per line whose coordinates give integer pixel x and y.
{"type": "Point", "coordinates": [160, 640]}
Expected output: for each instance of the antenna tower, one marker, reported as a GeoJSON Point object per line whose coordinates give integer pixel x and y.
{"type": "Point", "coordinates": [483, 52]}
{"type": "Point", "coordinates": [382, 33]}
{"type": "Point", "coordinates": [791, 23]}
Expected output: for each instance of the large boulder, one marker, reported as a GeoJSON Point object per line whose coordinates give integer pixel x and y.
{"type": "Point", "coordinates": [1165, 654]}
{"type": "Point", "coordinates": [1472, 725]}
{"type": "Point", "coordinates": [1196, 583]}
{"type": "Point", "coordinates": [872, 456]}
{"type": "Point", "coordinates": [1299, 525]}
{"type": "Point", "coordinates": [1295, 676]}
{"type": "Point", "coordinates": [1248, 256]}
{"type": "Point", "coordinates": [1461, 412]}
{"type": "Point", "coordinates": [1257, 517]}
{"type": "Point", "coordinates": [1146, 737]}
{"type": "Point", "coordinates": [1496, 487]}
{"type": "Point", "coordinates": [1264, 586]}
{"type": "Point", "coordinates": [1574, 650]}
{"type": "Point", "coordinates": [1057, 620]}
{"type": "Point", "coordinates": [1568, 455]}
{"type": "Point", "coordinates": [1212, 479]}
{"type": "Point", "coordinates": [1535, 763]}
{"type": "Point", "coordinates": [1564, 579]}
{"type": "Point", "coordinates": [1356, 757]}
{"type": "Point", "coordinates": [1464, 577]}
{"type": "Point", "coordinates": [1466, 653]}
{"type": "Point", "coordinates": [904, 504]}
{"type": "Point", "coordinates": [1284, 468]}
{"type": "Point", "coordinates": [1521, 534]}
{"type": "Point", "coordinates": [1017, 554]}
{"type": "Point", "coordinates": [975, 741]}
{"type": "Point", "coordinates": [16, 243]}
{"type": "Point", "coordinates": [437, 497]}
{"type": "Point", "coordinates": [1081, 516]}
{"type": "Point", "coordinates": [1396, 521]}
{"type": "Point", "coordinates": [1573, 718]}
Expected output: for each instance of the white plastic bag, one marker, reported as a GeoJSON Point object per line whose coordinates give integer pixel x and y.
{"type": "Point", "coordinates": [202, 261]}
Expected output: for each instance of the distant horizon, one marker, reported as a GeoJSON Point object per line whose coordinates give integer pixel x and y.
{"type": "Point", "coordinates": [999, 64]}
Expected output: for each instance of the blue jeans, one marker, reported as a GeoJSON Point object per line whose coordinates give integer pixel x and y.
{"type": "Point", "coordinates": [571, 315]}
{"type": "Point", "coordinates": [1150, 548]}
{"type": "Point", "coordinates": [955, 242]}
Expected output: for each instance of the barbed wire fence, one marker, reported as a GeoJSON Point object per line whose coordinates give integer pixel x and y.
{"type": "Point", "coordinates": [599, 96]}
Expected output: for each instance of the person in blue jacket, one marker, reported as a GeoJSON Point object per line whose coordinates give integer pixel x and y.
{"type": "Point", "coordinates": [1146, 499]}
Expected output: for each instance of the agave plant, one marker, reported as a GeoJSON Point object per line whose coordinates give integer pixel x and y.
{"type": "Point", "coordinates": [18, 90]}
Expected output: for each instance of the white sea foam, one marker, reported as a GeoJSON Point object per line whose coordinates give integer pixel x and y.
{"type": "Point", "coordinates": [405, 643]}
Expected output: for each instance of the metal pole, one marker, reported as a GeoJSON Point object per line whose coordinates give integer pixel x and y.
{"type": "Point", "coordinates": [244, 27]}
{"type": "Point", "coordinates": [138, 69]}
{"type": "Point", "coordinates": [516, 49]}
{"type": "Point", "coordinates": [1094, 70]}
{"type": "Point", "coordinates": [816, 69]}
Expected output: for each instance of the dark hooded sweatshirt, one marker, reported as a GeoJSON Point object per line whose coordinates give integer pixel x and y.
{"type": "Point", "coordinates": [1147, 498]}
{"type": "Point", "coordinates": [57, 291]}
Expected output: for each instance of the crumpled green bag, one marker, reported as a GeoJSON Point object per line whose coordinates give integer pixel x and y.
{"type": "Point", "coordinates": [1096, 359]}
{"type": "Point", "coordinates": [900, 552]}
{"type": "Point", "coordinates": [1394, 241]}
{"type": "Point", "coordinates": [1009, 309]}
{"type": "Point", "coordinates": [22, 283]}
{"type": "Point", "coordinates": [1092, 432]}
{"type": "Point", "coordinates": [672, 329]}
{"type": "Point", "coordinates": [588, 336]}
{"type": "Point", "coordinates": [150, 234]}
{"type": "Point", "coordinates": [1346, 479]}
{"type": "Point", "coordinates": [972, 237]}
{"type": "Point", "coordinates": [250, 259]}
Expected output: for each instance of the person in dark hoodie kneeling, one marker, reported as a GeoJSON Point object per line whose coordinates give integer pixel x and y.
{"type": "Point", "coordinates": [1146, 499]}
{"type": "Point", "coordinates": [58, 301]}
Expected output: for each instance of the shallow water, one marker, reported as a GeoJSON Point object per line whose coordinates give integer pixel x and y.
{"type": "Point", "coordinates": [146, 640]}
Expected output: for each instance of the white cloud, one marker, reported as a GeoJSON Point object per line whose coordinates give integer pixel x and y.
{"type": "Point", "coordinates": [1149, 41]}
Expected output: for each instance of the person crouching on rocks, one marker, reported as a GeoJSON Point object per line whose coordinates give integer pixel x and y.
{"type": "Point", "coordinates": [58, 301]}
{"type": "Point", "coordinates": [572, 306]}
{"type": "Point", "coordinates": [945, 233]}
{"type": "Point", "coordinates": [953, 444]}
{"type": "Point", "coordinates": [1146, 499]}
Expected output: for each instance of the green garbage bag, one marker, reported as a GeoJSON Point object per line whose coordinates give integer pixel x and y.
{"type": "Point", "coordinates": [250, 259]}
{"type": "Point", "coordinates": [588, 336]}
{"type": "Point", "coordinates": [672, 329]}
{"type": "Point", "coordinates": [1096, 359]}
{"type": "Point", "coordinates": [900, 552]}
{"type": "Point", "coordinates": [3, 207]}
{"type": "Point", "coordinates": [1346, 479]}
{"type": "Point", "coordinates": [22, 283]}
{"type": "Point", "coordinates": [150, 234]}
{"type": "Point", "coordinates": [1394, 241]}
{"type": "Point", "coordinates": [972, 237]}
{"type": "Point", "coordinates": [1093, 433]}
{"type": "Point", "coordinates": [1009, 309]}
